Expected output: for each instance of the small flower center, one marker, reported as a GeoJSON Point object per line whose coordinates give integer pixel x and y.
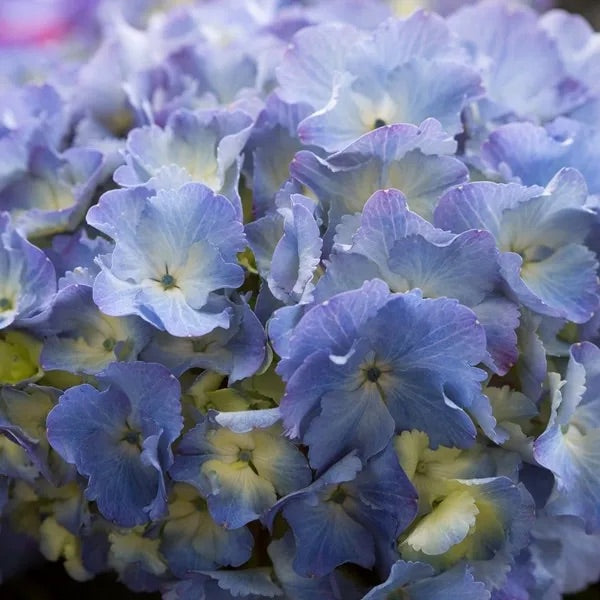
{"type": "Point", "coordinates": [535, 254]}
{"type": "Point", "coordinates": [246, 456]}
{"type": "Point", "coordinates": [200, 504]}
{"type": "Point", "coordinates": [132, 437]}
{"type": "Point", "coordinates": [198, 345]}
{"type": "Point", "coordinates": [338, 496]}
{"type": "Point", "coordinates": [5, 304]}
{"type": "Point", "coordinates": [373, 374]}
{"type": "Point", "coordinates": [109, 344]}
{"type": "Point", "coordinates": [400, 594]}
{"type": "Point", "coordinates": [168, 281]}
{"type": "Point", "coordinates": [379, 123]}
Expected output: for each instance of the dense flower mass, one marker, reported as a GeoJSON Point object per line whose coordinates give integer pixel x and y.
{"type": "Point", "coordinates": [300, 300]}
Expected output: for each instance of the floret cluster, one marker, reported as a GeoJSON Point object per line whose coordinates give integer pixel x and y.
{"type": "Point", "coordinates": [300, 300]}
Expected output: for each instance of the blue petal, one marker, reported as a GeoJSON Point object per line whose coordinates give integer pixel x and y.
{"type": "Point", "coordinates": [344, 272]}
{"type": "Point", "coordinates": [327, 537]}
{"type": "Point", "coordinates": [27, 275]}
{"type": "Point", "coordinates": [81, 339]}
{"type": "Point", "coordinates": [464, 268]}
{"type": "Point", "coordinates": [348, 420]}
{"type": "Point", "coordinates": [273, 145]}
{"type": "Point", "coordinates": [333, 325]}
{"type": "Point", "coordinates": [531, 154]}
{"type": "Point", "coordinates": [295, 257]}
{"type": "Point", "coordinates": [308, 67]}
{"type": "Point", "coordinates": [405, 157]}
{"type": "Point", "coordinates": [282, 554]}
{"type": "Point", "coordinates": [480, 206]}
{"type": "Point", "coordinates": [245, 421]}
{"type": "Point", "coordinates": [238, 351]}
{"type": "Point", "coordinates": [500, 318]}
{"type": "Point", "coordinates": [420, 88]}
{"type": "Point", "coordinates": [90, 429]}
{"type": "Point", "coordinates": [256, 582]}
{"type": "Point", "coordinates": [189, 235]}
{"type": "Point", "coordinates": [418, 580]}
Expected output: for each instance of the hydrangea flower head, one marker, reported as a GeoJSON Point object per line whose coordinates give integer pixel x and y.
{"type": "Point", "coordinates": [569, 445]}
{"type": "Point", "coordinates": [368, 385]}
{"type": "Point", "coordinates": [173, 253]}
{"type": "Point", "coordinates": [55, 193]}
{"type": "Point", "coordinates": [405, 157]}
{"type": "Point", "coordinates": [404, 72]}
{"type": "Point", "coordinates": [356, 518]}
{"type": "Point", "coordinates": [240, 469]}
{"type": "Point", "coordinates": [193, 147]}
{"type": "Point", "coordinates": [540, 233]}
{"type": "Point", "coordinates": [79, 338]}
{"type": "Point", "coordinates": [120, 437]}
{"type": "Point", "coordinates": [28, 279]}
{"type": "Point", "coordinates": [300, 299]}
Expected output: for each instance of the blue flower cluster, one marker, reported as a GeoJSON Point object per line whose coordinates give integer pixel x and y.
{"type": "Point", "coordinates": [300, 300]}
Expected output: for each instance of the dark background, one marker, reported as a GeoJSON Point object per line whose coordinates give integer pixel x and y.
{"type": "Point", "coordinates": [589, 8]}
{"type": "Point", "coordinates": [50, 582]}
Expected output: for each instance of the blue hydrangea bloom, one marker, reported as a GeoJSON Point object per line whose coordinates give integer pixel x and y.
{"type": "Point", "coordinates": [287, 249]}
{"type": "Point", "coordinates": [173, 253]}
{"type": "Point", "coordinates": [120, 437]}
{"type": "Point", "coordinates": [28, 279]}
{"type": "Point", "coordinates": [79, 338]}
{"type": "Point", "coordinates": [521, 68]}
{"type": "Point", "coordinates": [420, 580]}
{"type": "Point", "coordinates": [334, 586]}
{"type": "Point", "coordinates": [331, 328]}
{"type": "Point", "coordinates": [396, 245]}
{"type": "Point", "coordinates": [241, 473]}
{"type": "Point", "coordinates": [570, 445]}
{"type": "Point", "coordinates": [403, 73]}
{"type": "Point", "coordinates": [350, 514]}
{"type": "Point", "coordinates": [192, 541]}
{"type": "Point", "coordinates": [239, 351]}
{"type": "Point", "coordinates": [540, 233]}
{"type": "Point", "coordinates": [73, 256]}
{"type": "Point", "coordinates": [351, 385]}
{"type": "Point", "coordinates": [409, 158]}
{"type": "Point", "coordinates": [55, 193]}
{"type": "Point", "coordinates": [532, 155]}
{"type": "Point", "coordinates": [193, 147]}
